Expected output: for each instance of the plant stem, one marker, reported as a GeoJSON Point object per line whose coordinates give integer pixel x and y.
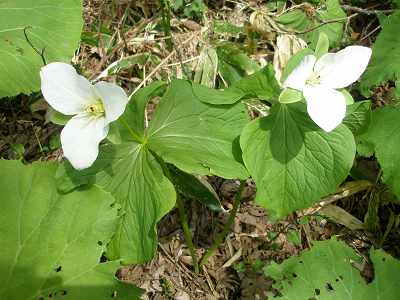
{"type": "Point", "coordinates": [166, 22]}
{"type": "Point", "coordinates": [182, 215]}
{"type": "Point", "coordinates": [220, 238]}
{"type": "Point", "coordinates": [186, 231]}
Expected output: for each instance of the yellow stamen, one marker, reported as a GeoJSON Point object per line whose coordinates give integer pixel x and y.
{"type": "Point", "coordinates": [314, 79]}
{"type": "Point", "coordinates": [96, 109]}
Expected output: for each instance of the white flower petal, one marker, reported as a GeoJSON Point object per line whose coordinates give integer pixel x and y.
{"type": "Point", "coordinates": [326, 107]}
{"type": "Point", "coordinates": [80, 140]}
{"type": "Point", "coordinates": [297, 79]}
{"type": "Point", "coordinates": [114, 99]}
{"type": "Point", "coordinates": [65, 90]}
{"type": "Point", "coordinates": [338, 70]}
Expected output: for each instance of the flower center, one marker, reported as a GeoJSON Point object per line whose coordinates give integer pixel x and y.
{"type": "Point", "coordinates": [96, 109]}
{"type": "Point", "coordinates": [314, 79]}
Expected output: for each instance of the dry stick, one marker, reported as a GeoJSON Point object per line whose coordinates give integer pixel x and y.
{"type": "Point", "coordinates": [157, 68]}
{"type": "Point", "coordinates": [367, 11]}
{"type": "Point", "coordinates": [220, 238]}
{"type": "Point", "coordinates": [325, 23]}
{"type": "Point", "coordinates": [371, 33]}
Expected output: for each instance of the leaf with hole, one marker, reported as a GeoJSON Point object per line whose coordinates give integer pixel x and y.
{"type": "Point", "coordinates": [51, 242]}
{"type": "Point", "coordinates": [327, 272]}
{"type": "Point", "coordinates": [133, 176]}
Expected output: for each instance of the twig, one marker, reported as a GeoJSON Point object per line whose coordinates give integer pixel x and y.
{"type": "Point", "coordinates": [157, 68]}
{"type": "Point", "coordinates": [326, 23]}
{"type": "Point", "coordinates": [367, 11]}
{"type": "Point", "coordinates": [371, 33]}
{"type": "Point", "coordinates": [220, 238]}
{"type": "Point", "coordinates": [179, 266]}
{"type": "Point", "coordinates": [39, 142]}
{"type": "Point", "coordinates": [183, 62]}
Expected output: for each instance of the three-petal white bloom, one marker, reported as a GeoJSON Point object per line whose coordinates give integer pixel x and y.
{"type": "Point", "coordinates": [319, 79]}
{"type": "Point", "coordinates": [93, 108]}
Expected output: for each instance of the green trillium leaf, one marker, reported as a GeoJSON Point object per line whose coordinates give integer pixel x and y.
{"type": "Point", "coordinates": [358, 116]}
{"type": "Point", "coordinates": [134, 177]}
{"type": "Point", "coordinates": [326, 272]}
{"type": "Point", "coordinates": [54, 26]}
{"type": "Point", "coordinates": [213, 96]}
{"type": "Point", "coordinates": [385, 60]}
{"type": "Point", "coordinates": [51, 242]}
{"type": "Point", "coordinates": [383, 135]}
{"type": "Point", "coordinates": [293, 162]}
{"type": "Point", "coordinates": [133, 118]}
{"type": "Point", "coordinates": [322, 46]}
{"type": "Point", "coordinates": [262, 85]}
{"type": "Point", "coordinates": [195, 187]}
{"type": "Point", "coordinates": [290, 96]}
{"type": "Point", "coordinates": [196, 137]}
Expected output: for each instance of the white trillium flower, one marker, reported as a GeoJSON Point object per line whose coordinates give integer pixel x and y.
{"type": "Point", "coordinates": [319, 79]}
{"type": "Point", "coordinates": [93, 108]}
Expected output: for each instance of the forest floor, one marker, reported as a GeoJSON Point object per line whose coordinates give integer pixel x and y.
{"type": "Point", "coordinates": [115, 29]}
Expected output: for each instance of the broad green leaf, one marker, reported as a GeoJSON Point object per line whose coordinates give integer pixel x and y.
{"type": "Point", "coordinates": [51, 244]}
{"type": "Point", "coordinates": [229, 73]}
{"type": "Point", "coordinates": [293, 162]}
{"type": "Point", "coordinates": [196, 137]}
{"type": "Point", "coordinates": [384, 134]}
{"type": "Point", "coordinates": [299, 21]}
{"type": "Point", "coordinates": [326, 272]}
{"type": "Point", "coordinates": [56, 117]}
{"type": "Point", "coordinates": [195, 187]}
{"type": "Point", "coordinates": [261, 84]}
{"type": "Point", "coordinates": [133, 118]}
{"type": "Point", "coordinates": [385, 61]}
{"type": "Point", "coordinates": [386, 274]}
{"type": "Point", "coordinates": [51, 25]}
{"type": "Point", "coordinates": [135, 178]}
{"type": "Point", "coordinates": [322, 46]}
{"type": "Point", "coordinates": [290, 96]}
{"type": "Point", "coordinates": [213, 96]}
{"type": "Point", "coordinates": [358, 116]}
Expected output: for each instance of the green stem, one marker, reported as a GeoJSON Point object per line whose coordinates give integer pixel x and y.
{"type": "Point", "coordinates": [166, 22]}
{"type": "Point", "coordinates": [186, 231]}
{"type": "Point", "coordinates": [182, 215]}
{"type": "Point", "coordinates": [134, 135]}
{"type": "Point", "coordinates": [220, 238]}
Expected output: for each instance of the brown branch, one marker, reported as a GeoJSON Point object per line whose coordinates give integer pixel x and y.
{"type": "Point", "coordinates": [326, 23]}
{"type": "Point", "coordinates": [367, 11]}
